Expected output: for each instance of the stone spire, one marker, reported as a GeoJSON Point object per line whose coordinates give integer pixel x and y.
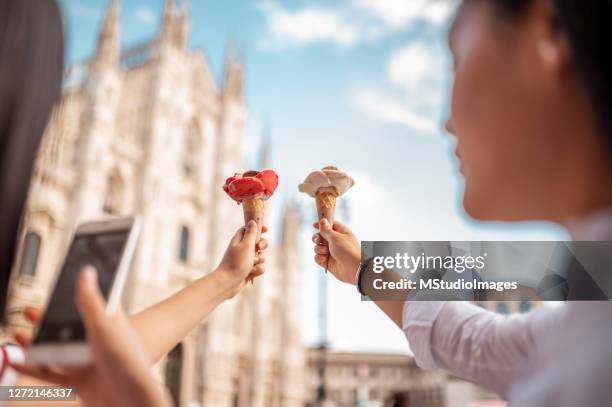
{"type": "Point", "coordinates": [264, 151]}
{"type": "Point", "coordinates": [166, 32]}
{"type": "Point", "coordinates": [232, 82]}
{"type": "Point", "coordinates": [107, 51]}
{"type": "Point", "coordinates": [181, 26]}
{"type": "Point", "coordinates": [290, 227]}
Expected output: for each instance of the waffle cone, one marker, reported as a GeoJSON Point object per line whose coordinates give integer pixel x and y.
{"type": "Point", "coordinates": [326, 205]}
{"type": "Point", "coordinates": [254, 209]}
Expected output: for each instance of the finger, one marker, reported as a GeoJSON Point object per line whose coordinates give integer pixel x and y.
{"type": "Point", "coordinates": [316, 238]}
{"type": "Point", "coordinates": [322, 250]}
{"type": "Point", "coordinates": [89, 300]}
{"type": "Point", "coordinates": [321, 260]}
{"type": "Point", "coordinates": [264, 229]}
{"type": "Point", "coordinates": [338, 227]}
{"type": "Point", "coordinates": [262, 244]}
{"type": "Point", "coordinates": [260, 259]}
{"type": "Point", "coordinates": [326, 230]}
{"type": "Point", "coordinates": [258, 270]}
{"type": "Point", "coordinates": [23, 338]}
{"type": "Point", "coordinates": [42, 373]}
{"type": "Point", "coordinates": [341, 227]}
{"type": "Point", "coordinates": [250, 233]}
{"type": "Point", "coordinates": [34, 315]}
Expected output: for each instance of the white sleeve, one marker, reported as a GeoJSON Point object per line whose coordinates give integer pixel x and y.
{"type": "Point", "coordinates": [481, 346]}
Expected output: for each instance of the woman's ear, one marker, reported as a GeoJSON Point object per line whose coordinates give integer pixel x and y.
{"type": "Point", "coordinates": [552, 46]}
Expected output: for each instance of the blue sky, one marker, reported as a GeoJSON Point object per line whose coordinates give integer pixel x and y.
{"type": "Point", "coordinates": [362, 84]}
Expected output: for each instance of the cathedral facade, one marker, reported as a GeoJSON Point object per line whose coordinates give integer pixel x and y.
{"type": "Point", "coordinates": [147, 131]}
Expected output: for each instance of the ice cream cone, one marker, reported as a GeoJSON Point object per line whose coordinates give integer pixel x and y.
{"type": "Point", "coordinates": [326, 205]}
{"type": "Point", "coordinates": [254, 209]}
{"type": "Point", "coordinates": [325, 186]}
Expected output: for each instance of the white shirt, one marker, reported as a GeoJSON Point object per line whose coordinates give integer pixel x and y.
{"type": "Point", "coordinates": [504, 352]}
{"type": "Point", "coordinates": [480, 346]}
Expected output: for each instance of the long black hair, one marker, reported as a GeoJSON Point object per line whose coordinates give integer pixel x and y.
{"type": "Point", "coordinates": [31, 65]}
{"type": "Point", "coordinates": [588, 27]}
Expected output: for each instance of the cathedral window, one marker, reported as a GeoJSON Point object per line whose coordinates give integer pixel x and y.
{"type": "Point", "coordinates": [113, 201]}
{"type": "Point", "coordinates": [184, 245]}
{"type": "Point", "coordinates": [192, 151]}
{"type": "Point", "coordinates": [29, 259]}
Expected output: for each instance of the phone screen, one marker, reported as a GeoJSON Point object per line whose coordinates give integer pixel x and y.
{"type": "Point", "coordinates": [62, 322]}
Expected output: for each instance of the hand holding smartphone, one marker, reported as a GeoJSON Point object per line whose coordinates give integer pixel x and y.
{"type": "Point", "coordinates": [108, 246]}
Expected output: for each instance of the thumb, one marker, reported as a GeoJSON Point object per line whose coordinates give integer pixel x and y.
{"type": "Point", "coordinates": [325, 229]}
{"type": "Point", "coordinates": [89, 299]}
{"type": "Point", "coordinates": [250, 233]}
{"type": "Point", "coordinates": [237, 238]}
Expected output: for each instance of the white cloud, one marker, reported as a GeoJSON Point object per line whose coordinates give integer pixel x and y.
{"type": "Point", "coordinates": [305, 26]}
{"type": "Point", "coordinates": [397, 14]}
{"type": "Point", "coordinates": [439, 12]}
{"type": "Point", "coordinates": [388, 109]}
{"type": "Point", "coordinates": [145, 15]}
{"type": "Point", "coordinates": [393, 12]}
{"type": "Point", "coordinates": [413, 65]}
{"type": "Point", "coordinates": [345, 25]}
{"type": "Point", "coordinates": [416, 96]}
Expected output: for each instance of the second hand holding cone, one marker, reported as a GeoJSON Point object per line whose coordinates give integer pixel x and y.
{"type": "Point", "coordinates": [325, 186]}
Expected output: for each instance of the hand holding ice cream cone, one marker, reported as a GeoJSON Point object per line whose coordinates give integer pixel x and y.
{"type": "Point", "coordinates": [252, 189]}
{"type": "Point", "coordinates": [325, 186]}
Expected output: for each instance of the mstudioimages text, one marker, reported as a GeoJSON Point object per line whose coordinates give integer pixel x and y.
{"type": "Point", "coordinates": [411, 263]}
{"type": "Point", "coordinates": [439, 284]}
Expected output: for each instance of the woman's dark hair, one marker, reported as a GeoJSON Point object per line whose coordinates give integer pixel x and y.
{"type": "Point", "coordinates": [588, 26]}
{"type": "Point", "coordinates": [31, 65]}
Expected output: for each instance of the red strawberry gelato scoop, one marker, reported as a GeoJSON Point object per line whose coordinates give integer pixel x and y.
{"type": "Point", "coordinates": [251, 184]}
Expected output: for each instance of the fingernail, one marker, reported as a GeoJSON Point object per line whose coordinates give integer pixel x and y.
{"type": "Point", "coordinates": [91, 276]}
{"type": "Point", "coordinates": [251, 224]}
{"type": "Point", "coordinates": [324, 222]}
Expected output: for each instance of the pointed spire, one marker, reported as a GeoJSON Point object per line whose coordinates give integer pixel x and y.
{"type": "Point", "coordinates": [232, 83]}
{"type": "Point", "coordinates": [291, 222]}
{"type": "Point", "coordinates": [168, 12]}
{"type": "Point", "coordinates": [166, 32]}
{"type": "Point", "coordinates": [264, 152]}
{"type": "Point", "coordinates": [181, 28]}
{"type": "Point", "coordinates": [107, 51]}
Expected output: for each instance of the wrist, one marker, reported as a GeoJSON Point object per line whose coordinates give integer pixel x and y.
{"type": "Point", "coordinates": [228, 282]}
{"type": "Point", "coordinates": [353, 265]}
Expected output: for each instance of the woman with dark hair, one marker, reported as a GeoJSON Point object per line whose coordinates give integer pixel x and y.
{"type": "Point", "coordinates": [531, 110]}
{"type": "Point", "coordinates": [31, 63]}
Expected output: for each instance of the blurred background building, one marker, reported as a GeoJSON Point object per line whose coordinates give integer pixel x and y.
{"type": "Point", "coordinates": [147, 130]}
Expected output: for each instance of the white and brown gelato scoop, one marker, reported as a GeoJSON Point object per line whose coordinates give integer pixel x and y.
{"type": "Point", "coordinates": [325, 186]}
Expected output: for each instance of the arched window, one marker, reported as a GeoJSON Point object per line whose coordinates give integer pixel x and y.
{"type": "Point", "coordinates": [184, 245]}
{"type": "Point", "coordinates": [29, 258]}
{"type": "Point", "coordinates": [174, 366]}
{"type": "Point", "coordinates": [525, 306]}
{"type": "Point", "coordinates": [113, 200]}
{"type": "Point", "coordinates": [192, 151]}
